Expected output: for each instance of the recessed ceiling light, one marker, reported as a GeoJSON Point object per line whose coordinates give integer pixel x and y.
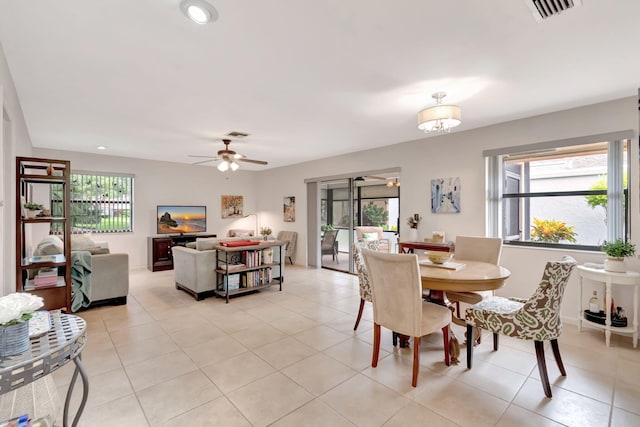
{"type": "Point", "coordinates": [101, 147]}
{"type": "Point", "coordinates": [199, 11]}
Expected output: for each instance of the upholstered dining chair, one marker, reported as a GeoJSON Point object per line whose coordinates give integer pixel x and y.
{"type": "Point", "coordinates": [363, 277]}
{"type": "Point", "coordinates": [328, 244]}
{"type": "Point", "coordinates": [536, 319]}
{"type": "Point", "coordinates": [483, 249]}
{"type": "Point", "coordinates": [398, 305]}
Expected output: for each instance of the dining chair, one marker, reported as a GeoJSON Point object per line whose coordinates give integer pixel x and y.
{"type": "Point", "coordinates": [398, 305]}
{"type": "Point", "coordinates": [363, 277]}
{"type": "Point", "coordinates": [328, 244]}
{"type": "Point", "coordinates": [472, 248]}
{"type": "Point", "coordinates": [537, 318]}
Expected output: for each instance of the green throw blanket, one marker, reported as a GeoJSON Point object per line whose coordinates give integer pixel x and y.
{"type": "Point", "coordinates": [80, 279]}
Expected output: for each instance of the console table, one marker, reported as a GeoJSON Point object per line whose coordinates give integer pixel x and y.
{"type": "Point", "coordinates": [410, 247]}
{"type": "Point", "coordinates": [630, 278]}
{"type": "Point", "coordinates": [63, 343]}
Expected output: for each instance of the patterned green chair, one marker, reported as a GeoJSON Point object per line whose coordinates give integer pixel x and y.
{"type": "Point", "coordinates": [536, 319]}
{"type": "Point", "coordinates": [363, 277]}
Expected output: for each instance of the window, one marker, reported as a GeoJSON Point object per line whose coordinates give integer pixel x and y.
{"type": "Point", "coordinates": [100, 203]}
{"type": "Point", "coordinates": [570, 193]}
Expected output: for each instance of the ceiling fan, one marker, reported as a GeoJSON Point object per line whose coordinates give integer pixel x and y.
{"type": "Point", "coordinates": [229, 158]}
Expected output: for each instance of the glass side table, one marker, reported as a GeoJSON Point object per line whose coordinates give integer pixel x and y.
{"type": "Point", "coordinates": [61, 344]}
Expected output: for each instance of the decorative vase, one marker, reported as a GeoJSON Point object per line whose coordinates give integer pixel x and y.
{"type": "Point", "coordinates": [413, 234]}
{"type": "Point", "coordinates": [14, 339]}
{"type": "Point", "coordinates": [615, 265]}
{"type": "Point", "coordinates": [32, 214]}
{"type": "Point", "coordinates": [265, 237]}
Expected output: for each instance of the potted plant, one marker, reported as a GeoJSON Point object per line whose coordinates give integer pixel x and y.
{"type": "Point", "coordinates": [266, 232]}
{"type": "Point", "coordinates": [15, 311]}
{"type": "Point", "coordinates": [33, 209]}
{"type": "Point", "coordinates": [616, 253]}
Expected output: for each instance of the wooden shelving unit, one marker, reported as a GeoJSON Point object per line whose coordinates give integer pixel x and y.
{"type": "Point", "coordinates": [242, 269]}
{"type": "Point", "coordinates": [36, 180]}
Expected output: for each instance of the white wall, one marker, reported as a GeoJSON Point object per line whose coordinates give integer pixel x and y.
{"type": "Point", "coordinates": [460, 154]}
{"type": "Point", "coordinates": [164, 183]}
{"type": "Point", "coordinates": [14, 141]}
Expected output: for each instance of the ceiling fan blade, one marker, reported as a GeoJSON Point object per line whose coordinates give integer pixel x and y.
{"type": "Point", "coordinates": [207, 157]}
{"type": "Point", "coordinates": [257, 162]}
{"type": "Point", "coordinates": [376, 177]}
{"type": "Point", "coordinates": [204, 161]}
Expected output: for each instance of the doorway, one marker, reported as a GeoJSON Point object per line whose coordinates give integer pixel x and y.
{"type": "Point", "coordinates": [346, 203]}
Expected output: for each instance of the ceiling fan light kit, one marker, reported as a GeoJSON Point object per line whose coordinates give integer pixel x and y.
{"type": "Point", "coordinates": [229, 158]}
{"type": "Point", "coordinates": [439, 118]}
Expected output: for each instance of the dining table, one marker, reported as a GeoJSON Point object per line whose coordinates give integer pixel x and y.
{"type": "Point", "coordinates": [461, 276]}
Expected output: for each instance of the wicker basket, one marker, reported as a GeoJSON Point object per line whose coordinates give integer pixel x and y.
{"type": "Point", "coordinates": [14, 339]}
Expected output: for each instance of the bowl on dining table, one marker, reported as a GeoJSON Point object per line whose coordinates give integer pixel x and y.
{"type": "Point", "coordinates": [439, 257]}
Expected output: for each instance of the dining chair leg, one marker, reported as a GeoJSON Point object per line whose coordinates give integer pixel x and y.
{"type": "Point", "coordinates": [556, 354]}
{"type": "Point", "coordinates": [469, 345]}
{"type": "Point", "coordinates": [542, 368]}
{"type": "Point", "coordinates": [447, 352]}
{"type": "Point", "coordinates": [416, 361]}
{"type": "Point", "coordinates": [495, 341]}
{"type": "Point", "coordinates": [359, 314]}
{"type": "Point", "coordinates": [376, 345]}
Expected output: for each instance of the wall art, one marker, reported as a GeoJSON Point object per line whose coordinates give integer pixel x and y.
{"type": "Point", "coordinates": [445, 195]}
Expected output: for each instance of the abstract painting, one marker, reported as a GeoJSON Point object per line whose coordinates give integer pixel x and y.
{"type": "Point", "coordinates": [289, 209]}
{"type": "Point", "coordinates": [232, 206]}
{"type": "Point", "coordinates": [445, 195]}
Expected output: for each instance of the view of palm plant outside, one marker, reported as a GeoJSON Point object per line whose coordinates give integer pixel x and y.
{"type": "Point", "coordinates": [558, 216]}
{"type": "Point", "coordinates": [99, 203]}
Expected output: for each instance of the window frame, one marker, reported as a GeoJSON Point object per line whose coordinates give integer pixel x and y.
{"type": "Point", "coordinates": [618, 225]}
{"type": "Point", "coordinates": [94, 199]}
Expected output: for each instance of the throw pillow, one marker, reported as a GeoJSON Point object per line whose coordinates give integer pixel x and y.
{"type": "Point", "coordinates": [369, 236]}
{"type": "Point", "coordinates": [82, 242]}
{"type": "Point", "coordinates": [50, 245]}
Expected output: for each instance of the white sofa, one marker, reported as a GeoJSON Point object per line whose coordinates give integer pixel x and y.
{"type": "Point", "coordinates": [194, 269]}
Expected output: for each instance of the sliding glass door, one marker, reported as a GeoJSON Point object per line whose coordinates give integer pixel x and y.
{"type": "Point", "coordinates": [351, 202]}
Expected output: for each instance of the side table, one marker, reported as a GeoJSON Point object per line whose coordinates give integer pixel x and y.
{"type": "Point", "coordinates": [63, 343]}
{"type": "Point", "coordinates": [630, 278]}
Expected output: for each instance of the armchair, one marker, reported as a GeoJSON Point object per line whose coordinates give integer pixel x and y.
{"type": "Point", "coordinates": [291, 237]}
{"type": "Point", "coordinates": [367, 233]}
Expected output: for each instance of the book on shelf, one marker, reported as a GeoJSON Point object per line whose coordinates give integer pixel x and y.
{"type": "Point", "coordinates": [44, 281]}
{"type": "Point", "coordinates": [44, 258]}
{"type": "Point", "coordinates": [47, 272]}
{"type": "Point", "coordinates": [235, 267]}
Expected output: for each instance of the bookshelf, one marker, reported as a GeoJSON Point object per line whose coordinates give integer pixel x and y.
{"type": "Point", "coordinates": [248, 267]}
{"type": "Point", "coordinates": [45, 182]}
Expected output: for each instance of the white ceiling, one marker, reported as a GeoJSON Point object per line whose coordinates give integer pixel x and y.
{"type": "Point", "coordinates": [306, 79]}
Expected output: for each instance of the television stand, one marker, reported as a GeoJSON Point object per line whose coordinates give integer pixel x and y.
{"type": "Point", "coordinates": [159, 254]}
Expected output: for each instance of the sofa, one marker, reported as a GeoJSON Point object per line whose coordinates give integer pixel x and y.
{"type": "Point", "coordinates": [109, 273]}
{"type": "Point", "coordinates": [194, 268]}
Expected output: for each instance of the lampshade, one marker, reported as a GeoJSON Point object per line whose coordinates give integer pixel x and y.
{"type": "Point", "coordinates": [223, 166]}
{"type": "Point", "coordinates": [234, 166]}
{"type": "Point", "coordinates": [440, 118]}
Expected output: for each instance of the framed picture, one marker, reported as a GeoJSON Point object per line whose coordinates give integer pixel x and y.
{"type": "Point", "coordinates": [445, 195]}
{"type": "Point", "coordinates": [232, 206]}
{"type": "Point", "coordinates": [289, 209]}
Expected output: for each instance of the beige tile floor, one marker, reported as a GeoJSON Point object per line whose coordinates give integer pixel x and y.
{"type": "Point", "coordinates": [291, 358]}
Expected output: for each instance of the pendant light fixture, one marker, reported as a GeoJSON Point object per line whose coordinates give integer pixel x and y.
{"type": "Point", "coordinates": [439, 118]}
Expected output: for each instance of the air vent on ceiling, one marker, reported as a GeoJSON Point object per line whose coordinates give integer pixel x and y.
{"type": "Point", "coordinates": [543, 9]}
{"type": "Point", "coordinates": [236, 134]}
